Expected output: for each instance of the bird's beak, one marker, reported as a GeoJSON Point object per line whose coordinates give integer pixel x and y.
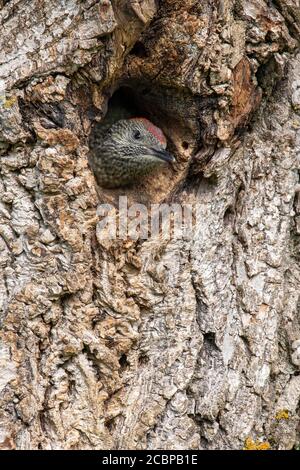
{"type": "Point", "coordinates": [163, 155]}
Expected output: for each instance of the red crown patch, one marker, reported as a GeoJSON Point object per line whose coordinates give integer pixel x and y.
{"type": "Point", "coordinates": [156, 131]}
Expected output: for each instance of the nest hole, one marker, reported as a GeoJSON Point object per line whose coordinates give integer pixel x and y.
{"type": "Point", "coordinates": [128, 102]}
{"type": "Point", "coordinates": [163, 107]}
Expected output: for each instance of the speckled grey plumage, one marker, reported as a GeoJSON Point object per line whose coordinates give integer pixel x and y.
{"type": "Point", "coordinates": [128, 152]}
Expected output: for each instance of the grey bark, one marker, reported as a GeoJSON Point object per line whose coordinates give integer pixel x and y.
{"type": "Point", "coordinates": [154, 344]}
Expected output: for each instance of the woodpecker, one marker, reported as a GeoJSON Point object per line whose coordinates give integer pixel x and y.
{"type": "Point", "coordinates": [130, 149]}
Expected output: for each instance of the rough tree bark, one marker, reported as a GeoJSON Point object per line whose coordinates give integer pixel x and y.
{"type": "Point", "coordinates": [154, 344]}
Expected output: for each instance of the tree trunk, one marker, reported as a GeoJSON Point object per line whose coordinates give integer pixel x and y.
{"type": "Point", "coordinates": [180, 343]}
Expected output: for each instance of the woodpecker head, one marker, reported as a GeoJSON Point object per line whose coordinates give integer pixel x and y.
{"type": "Point", "coordinates": [131, 149]}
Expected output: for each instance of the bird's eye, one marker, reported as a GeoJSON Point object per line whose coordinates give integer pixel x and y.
{"type": "Point", "coordinates": [137, 135]}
